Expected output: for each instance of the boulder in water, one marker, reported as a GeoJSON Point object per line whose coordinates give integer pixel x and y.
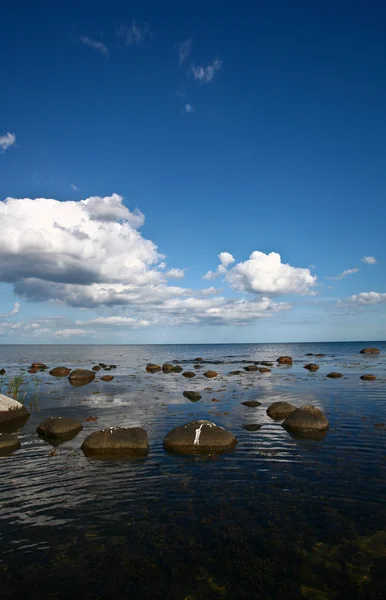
{"type": "Point", "coordinates": [251, 368]}
{"type": "Point", "coordinates": [167, 368]}
{"type": "Point", "coordinates": [306, 418]}
{"type": "Point", "coordinates": [80, 377]}
{"type": "Point", "coordinates": [264, 370]}
{"type": "Point", "coordinates": [368, 377]}
{"type": "Point", "coordinates": [334, 375]}
{"type": "Point", "coordinates": [96, 368]}
{"type": "Point", "coordinates": [285, 360]}
{"type": "Point", "coordinates": [192, 396]}
{"type": "Point", "coordinates": [107, 378]}
{"type": "Point", "coordinates": [32, 371]}
{"type": "Point", "coordinates": [60, 372]}
{"type": "Point", "coordinates": [198, 359]}
{"type": "Point", "coordinates": [210, 374]}
{"type": "Point", "coordinates": [8, 443]}
{"type": "Point", "coordinates": [369, 351]}
{"type": "Point", "coordinates": [311, 367]}
{"type": "Point", "coordinates": [37, 365]}
{"type": "Point", "coordinates": [251, 426]}
{"type": "Point", "coordinates": [59, 428]}
{"type": "Point", "coordinates": [235, 373]}
{"type": "Point", "coordinates": [280, 410]}
{"type": "Point", "coordinates": [188, 374]}
{"type": "Point", "coordinates": [199, 436]}
{"type": "Point", "coordinates": [251, 403]}
{"type": "Point", "coordinates": [151, 368]}
{"type": "Point", "coordinates": [177, 369]}
{"type": "Point", "coordinates": [116, 441]}
{"type": "Point", "coordinates": [2, 371]}
{"type": "Point", "coordinates": [12, 410]}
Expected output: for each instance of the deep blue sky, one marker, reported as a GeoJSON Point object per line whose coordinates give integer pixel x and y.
{"type": "Point", "coordinates": [285, 151]}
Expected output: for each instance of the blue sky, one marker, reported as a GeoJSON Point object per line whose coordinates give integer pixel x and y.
{"type": "Point", "coordinates": [238, 128]}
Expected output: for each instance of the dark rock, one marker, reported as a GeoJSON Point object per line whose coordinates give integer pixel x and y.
{"type": "Point", "coordinates": [37, 365]}
{"type": "Point", "coordinates": [266, 364]}
{"type": "Point", "coordinates": [264, 370]}
{"type": "Point", "coordinates": [102, 365]}
{"type": "Point", "coordinates": [197, 366]}
{"type": "Point", "coordinates": [235, 373]}
{"type": "Point", "coordinates": [368, 377]}
{"type": "Point", "coordinates": [107, 368]}
{"type": "Point", "coordinates": [251, 368]}
{"type": "Point", "coordinates": [251, 426]}
{"type": "Point", "coordinates": [96, 368]}
{"type": "Point", "coordinates": [59, 428]}
{"type": "Point", "coordinates": [199, 436]}
{"type": "Point", "coordinates": [284, 360]}
{"type": "Point", "coordinates": [198, 359]}
{"type": "Point", "coordinates": [80, 377]}
{"type": "Point", "coordinates": [177, 369]}
{"type": "Point", "coordinates": [311, 367]}
{"type": "Point", "coordinates": [188, 374]}
{"type": "Point", "coordinates": [192, 396]}
{"type": "Point", "coordinates": [309, 354]}
{"type": "Point", "coordinates": [12, 410]}
{"type": "Point", "coordinates": [280, 410]}
{"type": "Point", "coordinates": [306, 418]}
{"type": "Point", "coordinates": [113, 366]}
{"type": "Point", "coordinates": [210, 374]}
{"type": "Point", "coordinates": [32, 370]}
{"type": "Point", "coordinates": [251, 403]}
{"type": "Point", "coordinates": [8, 443]}
{"type": "Point", "coordinates": [60, 372]}
{"type": "Point", "coordinates": [151, 368]}
{"type": "Point", "coordinates": [107, 378]}
{"type": "Point", "coordinates": [2, 371]}
{"type": "Point", "coordinates": [369, 351]}
{"type": "Point", "coordinates": [116, 441]}
{"type": "Point", "coordinates": [334, 375]}
{"type": "Point", "coordinates": [320, 355]}
{"type": "Point", "coordinates": [167, 368]}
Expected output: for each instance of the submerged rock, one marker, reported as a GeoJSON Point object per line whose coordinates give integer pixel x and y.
{"type": "Point", "coordinates": [210, 374]}
{"type": "Point", "coordinates": [334, 375]}
{"type": "Point", "coordinates": [251, 403]}
{"type": "Point", "coordinates": [192, 396]}
{"type": "Point", "coordinates": [8, 443]}
{"type": "Point", "coordinates": [177, 369]}
{"type": "Point", "coordinates": [11, 410]}
{"type": "Point", "coordinates": [320, 354]}
{"type": "Point", "coordinates": [188, 374]}
{"type": "Point", "coordinates": [235, 373]}
{"type": "Point", "coordinates": [311, 367]}
{"type": "Point", "coordinates": [285, 360]}
{"type": "Point", "coordinates": [59, 428]}
{"type": "Point", "coordinates": [117, 441]}
{"type": "Point", "coordinates": [113, 366]}
{"type": "Point", "coordinates": [251, 368]}
{"type": "Point", "coordinates": [37, 365]}
{"type": "Point", "coordinates": [251, 426]}
{"type": "Point", "coordinates": [167, 368]}
{"type": "Point", "coordinates": [306, 418]}
{"type": "Point", "coordinates": [60, 372]}
{"type": "Point", "coordinates": [80, 377]}
{"type": "Point", "coordinates": [369, 351]}
{"type": "Point", "coordinates": [199, 436]}
{"type": "Point", "coordinates": [280, 410]}
{"type": "Point", "coordinates": [368, 377]}
{"type": "Point", "coordinates": [197, 366]}
{"type": "Point", "coordinates": [198, 359]}
{"type": "Point", "coordinates": [107, 378]}
{"type": "Point", "coordinates": [32, 371]}
{"type": "Point", "coordinates": [96, 368]}
{"type": "Point", "coordinates": [151, 368]}
{"type": "Point", "coordinates": [266, 363]}
{"type": "Point", "coordinates": [264, 370]}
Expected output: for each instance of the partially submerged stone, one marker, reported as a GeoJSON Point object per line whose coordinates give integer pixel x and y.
{"type": "Point", "coordinates": [116, 441]}
{"type": "Point", "coordinates": [369, 351]}
{"type": "Point", "coordinates": [80, 377]}
{"type": "Point", "coordinates": [368, 377]}
{"type": "Point", "coordinates": [311, 367]}
{"type": "Point", "coordinates": [251, 403]}
{"type": "Point", "coordinates": [8, 443]}
{"type": "Point", "coordinates": [2, 371]}
{"type": "Point", "coordinates": [235, 373]}
{"type": "Point", "coordinates": [167, 368]}
{"type": "Point", "coordinates": [192, 396]}
{"type": "Point", "coordinates": [151, 368]}
{"type": "Point", "coordinates": [334, 375]}
{"type": "Point", "coordinates": [198, 359]}
{"type": "Point", "coordinates": [210, 374]}
{"type": "Point", "coordinates": [177, 369]}
{"type": "Point", "coordinates": [60, 372]}
{"type": "Point", "coordinates": [251, 426]}
{"type": "Point", "coordinates": [251, 368]}
{"type": "Point", "coordinates": [59, 428]}
{"type": "Point", "coordinates": [320, 354]}
{"type": "Point", "coordinates": [280, 410]}
{"type": "Point", "coordinates": [96, 368]}
{"type": "Point", "coordinates": [107, 378]}
{"type": "Point", "coordinates": [12, 410]}
{"type": "Point", "coordinates": [33, 371]}
{"type": "Point", "coordinates": [306, 418]}
{"type": "Point", "coordinates": [37, 365]}
{"type": "Point", "coordinates": [188, 374]}
{"type": "Point", "coordinates": [264, 370]}
{"type": "Point", "coordinates": [285, 360]}
{"type": "Point", "coordinates": [199, 436]}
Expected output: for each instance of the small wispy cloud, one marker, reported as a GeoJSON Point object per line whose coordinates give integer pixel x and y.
{"type": "Point", "coordinates": [6, 141]}
{"type": "Point", "coordinates": [134, 34]}
{"type": "Point", "coordinates": [175, 273]}
{"type": "Point", "coordinates": [370, 260]}
{"type": "Point", "coordinates": [344, 274]}
{"type": "Point", "coordinates": [15, 310]}
{"type": "Point", "coordinates": [206, 74]}
{"type": "Point", "coordinates": [74, 187]}
{"type": "Point", "coordinates": [189, 109]}
{"type": "Point", "coordinates": [364, 299]}
{"type": "Point", "coordinates": [184, 50]}
{"type": "Point", "coordinates": [98, 46]}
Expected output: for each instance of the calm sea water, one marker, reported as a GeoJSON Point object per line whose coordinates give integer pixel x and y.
{"type": "Point", "coordinates": [277, 517]}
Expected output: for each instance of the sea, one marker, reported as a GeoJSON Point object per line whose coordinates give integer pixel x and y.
{"type": "Point", "coordinates": [276, 517]}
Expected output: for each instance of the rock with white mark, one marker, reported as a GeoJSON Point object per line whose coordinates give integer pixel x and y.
{"type": "Point", "coordinates": [199, 436]}
{"type": "Point", "coordinates": [117, 441]}
{"type": "Point", "coordinates": [12, 411]}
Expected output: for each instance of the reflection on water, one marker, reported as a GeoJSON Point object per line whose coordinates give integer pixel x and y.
{"type": "Point", "coordinates": [278, 517]}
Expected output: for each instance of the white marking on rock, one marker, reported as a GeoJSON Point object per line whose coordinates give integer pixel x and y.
{"type": "Point", "coordinates": [8, 404]}
{"type": "Point", "coordinates": [198, 434]}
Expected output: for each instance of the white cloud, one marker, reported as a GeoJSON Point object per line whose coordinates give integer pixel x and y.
{"type": "Point", "coordinates": [366, 298]}
{"type": "Point", "coordinates": [115, 322]}
{"type": "Point", "coordinates": [345, 273]}
{"type": "Point", "coordinates": [226, 259]}
{"type": "Point", "coordinates": [71, 332]}
{"type": "Point", "coordinates": [134, 34]}
{"type": "Point", "coordinates": [206, 74]}
{"type": "Point", "coordinates": [98, 46]}
{"type": "Point", "coordinates": [266, 274]}
{"type": "Point", "coordinates": [73, 186]}
{"type": "Point", "coordinates": [6, 141]}
{"type": "Point", "coordinates": [184, 49]}
{"type": "Point", "coordinates": [210, 291]}
{"type": "Point", "coordinates": [175, 274]}
{"type": "Point", "coordinates": [15, 310]}
{"type": "Point", "coordinates": [189, 109]}
{"type": "Point", "coordinates": [370, 260]}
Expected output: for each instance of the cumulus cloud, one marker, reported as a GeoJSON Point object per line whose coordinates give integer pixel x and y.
{"type": "Point", "coordinates": [15, 310]}
{"type": "Point", "coordinates": [134, 34]}
{"type": "Point", "coordinates": [226, 259]}
{"type": "Point", "coordinates": [345, 273]}
{"type": "Point", "coordinates": [189, 109]}
{"type": "Point", "coordinates": [366, 298]}
{"type": "Point", "coordinates": [175, 274]}
{"type": "Point", "coordinates": [184, 49]}
{"type": "Point", "coordinates": [97, 46]}
{"type": "Point", "coordinates": [370, 260]}
{"type": "Point", "coordinates": [6, 141]}
{"type": "Point", "coordinates": [206, 74]}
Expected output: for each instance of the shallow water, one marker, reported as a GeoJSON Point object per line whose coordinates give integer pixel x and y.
{"type": "Point", "coordinates": [277, 517]}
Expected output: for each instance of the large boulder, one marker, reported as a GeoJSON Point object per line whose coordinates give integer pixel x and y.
{"type": "Point", "coordinates": [192, 396]}
{"type": "Point", "coordinates": [311, 367]}
{"type": "Point", "coordinates": [60, 372]}
{"type": "Point", "coordinates": [280, 410]}
{"type": "Point", "coordinates": [80, 377]}
{"type": "Point", "coordinates": [167, 368]}
{"type": "Point", "coordinates": [368, 377]}
{"type": "Point", "coordinates": [369, 351]}
{"type": "Point", "coordinates": [188, 374]}
{"type": "Point", "coordinates": [12, 410]}
{"type": "Point", "coordinates": [8, 443]}
{"type": "Point", "coordinates": [285, 360]}
{"type": "Point", "coordinates": [334, 375]}
{"type": "Point", "coordinates": [210, 374]}
{"type": "Point", "coordinates": [151, 368]}
{"type": "Point", "coordinates": [59, 428]}
{"type": "Point", "coordinates": [199, 436]}
{"type": "Point", "coordinates": [306, 418]}
{"type": "Point", "coordinates": [117, 441]}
